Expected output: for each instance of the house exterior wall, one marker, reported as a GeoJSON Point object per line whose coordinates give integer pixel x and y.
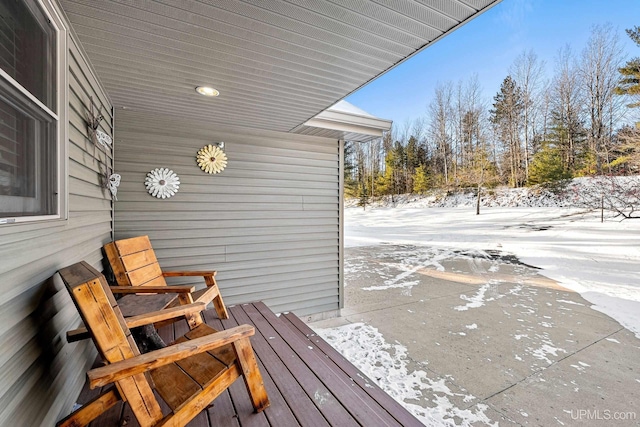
{"type": "Point", "coordinates": [269, 223]}
{"type": "Point", "coordinates": [41, 374]}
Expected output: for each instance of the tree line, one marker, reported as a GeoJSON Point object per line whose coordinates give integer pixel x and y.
{"type": "Point", "coordinates": [534, 129]}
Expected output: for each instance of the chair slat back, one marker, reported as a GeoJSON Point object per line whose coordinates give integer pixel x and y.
{"type": "Point", "coordinates": [104, 321]}
{"type": "Point", "coordinates": [134, 263]}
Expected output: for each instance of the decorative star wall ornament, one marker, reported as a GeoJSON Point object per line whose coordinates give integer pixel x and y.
{"type": "Point", "coordinates": [113, 183]}
{"type": "Point", "coordinates": [211, 159]}
{"type": "Point", "coordinates": [162, 183]}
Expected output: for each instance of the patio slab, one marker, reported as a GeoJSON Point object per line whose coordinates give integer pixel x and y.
{"type": "Point", "coordinates": [530, 351]}
{"type": "Point", "coordinates": [591, 387]}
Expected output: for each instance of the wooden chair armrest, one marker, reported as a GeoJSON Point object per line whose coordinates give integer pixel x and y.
{"type": "Point", "coordinates": [136, 365]}
{"type": "Point", "coordinates": [176, 289]}
{"type": "Point", "coordinates": [164, 314]}
{"type": "Point", "coordinates": [188, 273]}
{"type": "Point", "coordinates": [208, 295]}
{"type": "Point", "coordinates": [77, 335]}
{"type": "Point", "coordinates": [144, 319]}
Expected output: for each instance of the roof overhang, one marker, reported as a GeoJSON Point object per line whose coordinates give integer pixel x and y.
{"type": "Point", "coordinates": [277, 64]}
{"type": "Point", "coordinates": [344, 121]}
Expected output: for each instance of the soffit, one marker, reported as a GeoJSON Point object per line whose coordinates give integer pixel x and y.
{"type": "Point", "coordinates": [276, 63]}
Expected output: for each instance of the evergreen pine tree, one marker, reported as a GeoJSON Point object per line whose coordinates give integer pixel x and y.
{"type": "Point", "coordinates": [399, 168]}
{"type": "Point", "coordinates": [350, 182]}
{"type": "Point", "coordinates": [364, 197]}
{"type": "Point", "coordinates": [421, 180]}
{"type": "Point", "coordinates": [387, 182]}
{"type": "Point", "coordinates": [630, 82]}
{"type": "Point", "coordinates": [567, 134]}
{"type": "Point", "coordinates": [506, 115]}
{"type": "Point", "coordinates": [547, 165]}
{"type": "Point", "coordinates": [411, 154]}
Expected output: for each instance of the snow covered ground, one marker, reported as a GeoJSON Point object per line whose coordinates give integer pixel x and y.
{"type": "Point", "coordinates": [601, 261]}
{"type": "Point", "coordinates": [578, 192]}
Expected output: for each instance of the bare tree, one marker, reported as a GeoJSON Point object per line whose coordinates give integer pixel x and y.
{"type": "Point", "coordinates": [527, 70]}
{"type": "Point", "coordinates": [457, 141]}
{"type": "Point", "coordinates": [599, 77]}
{"type": "Point", "coordinates": [473, 114]}
{"type": "Point", "coordinates": [440, 117]}
{"type": "Point", "coordinates": [544, 110]}
{"type": "Point", "coordinates": [619, 195]}
{"type": "Point", "coordinates": [566, 105]}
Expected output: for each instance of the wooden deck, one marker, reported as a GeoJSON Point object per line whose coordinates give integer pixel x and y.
{"type": "Point", "coordinates": [309, 383]}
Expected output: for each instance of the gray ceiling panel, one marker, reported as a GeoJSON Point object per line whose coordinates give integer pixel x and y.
{"type": "Point", "coordinates": [276, 63]}
{"type": "Point", "coordinates": [375, 19]}
{"type": "Point", "coordinates": [430, 16]}
{"type": "Point", "coordinates": [453, 9]}
{"type": "Point", "coordinates": [133, 31]}
{"type": "Point", "coordinates": [299, 28]}
{"type": "Point", "coordinates": [195, 28]}
{"type": "Point", "coordinates": [477, 4]}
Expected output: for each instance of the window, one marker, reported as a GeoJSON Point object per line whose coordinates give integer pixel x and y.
{"type": "Point", "coordinates": [30, 139]}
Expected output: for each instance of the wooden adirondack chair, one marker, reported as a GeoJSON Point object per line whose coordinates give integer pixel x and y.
{"type": "Point", "coordinates": [135, 265]}
{"type": "Point", "coordinates": [188, 374]}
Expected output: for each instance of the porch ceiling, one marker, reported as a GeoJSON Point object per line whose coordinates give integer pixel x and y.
{"type": "Point", "coordinates": [276, 63]}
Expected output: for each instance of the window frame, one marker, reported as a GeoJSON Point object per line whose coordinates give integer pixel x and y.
{"type": "Point", "coordinates": [60, 117]}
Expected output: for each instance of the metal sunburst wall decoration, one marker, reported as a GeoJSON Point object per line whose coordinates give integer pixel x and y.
{"type": "Point", "coordinates": [211, 159]}
{"type": "Point", "coordinates": [162, 183]}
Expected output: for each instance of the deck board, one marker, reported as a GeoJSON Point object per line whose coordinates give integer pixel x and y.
{"type": "Point", "coordinates": [340, 386]}
{"type": "Point", "coordinates": [286, 407]}
{"type": "Point", "coordinates": [309, 383]}
{"type": "Point", "coordinates": [338, 361]}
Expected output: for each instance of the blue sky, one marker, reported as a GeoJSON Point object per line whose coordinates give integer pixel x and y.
{"type": "Point", "coordinates": [487, 46]}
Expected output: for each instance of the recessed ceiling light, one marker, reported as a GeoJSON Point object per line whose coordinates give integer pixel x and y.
{"type": "Point", "coordinates": [207, 91]}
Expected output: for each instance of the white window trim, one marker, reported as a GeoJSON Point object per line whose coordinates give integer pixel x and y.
{"type": "Point", "coordinates": [62, 105]}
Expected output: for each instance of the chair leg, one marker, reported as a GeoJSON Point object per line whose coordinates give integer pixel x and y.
{"type": "Point", "coordinates": [194, 319]}
{"type": "Point", "coordinates": [91, 410]}
{"type": "Point", "coordinates": [220, 308]}
{"type": "Point", "coordinates": [218, 304]}
{"type": "Point", "coordinates": [251, 374]}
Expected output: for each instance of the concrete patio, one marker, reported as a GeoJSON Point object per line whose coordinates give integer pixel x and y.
{"type": "Point", "coordinates": [498, 333]}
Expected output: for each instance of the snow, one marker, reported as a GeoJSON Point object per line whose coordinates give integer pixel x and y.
{"type": "Point", "coordinates": [580, 366]}
{"type": "Point", "coordinates": [397, 282]}
{"type": "Point", "coordinates": [389, 366]}
{"type": "Point", "coordinates": [542, 352]}
{"type": "Point", "coordinates": [578, 192]}
{"type": "Point", "coordinates": [477, 300]}
{"type": "Point", "coordinates": [570, 246]}
{"type": "Point", "coordinates": [569, 302]}
{"type": "Point", "coordinates": [346, 107]}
